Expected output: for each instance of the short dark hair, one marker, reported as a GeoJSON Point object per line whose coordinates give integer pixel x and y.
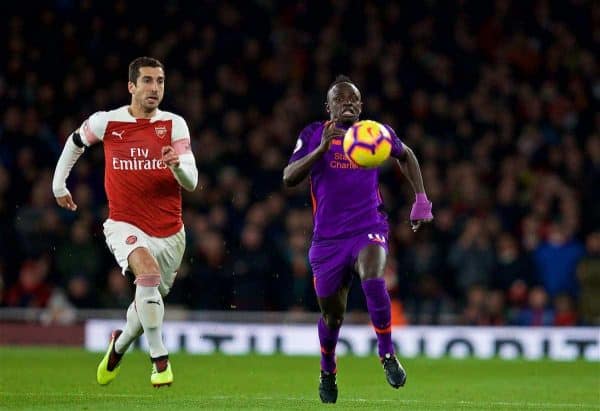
{"type": "Point", "coordinates": [341, 78]}
{"type": "Point", "coordinates": [135, 65]}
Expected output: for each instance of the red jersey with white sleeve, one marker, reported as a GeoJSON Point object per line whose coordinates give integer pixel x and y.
{"type": "Point", "coordinates": [141, 189]}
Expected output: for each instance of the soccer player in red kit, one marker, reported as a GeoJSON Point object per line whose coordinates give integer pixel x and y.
{"type": "Point", "coordinates": [147, 160]}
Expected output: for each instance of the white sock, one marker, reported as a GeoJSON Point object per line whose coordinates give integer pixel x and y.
{"type": "Point", "coordinates": [150, 310]}
{"type": "Point", "coordinates": [133, 329]}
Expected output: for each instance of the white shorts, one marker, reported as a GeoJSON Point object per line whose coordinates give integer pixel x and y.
{"type": "Point", "coordinates": [122, 238]}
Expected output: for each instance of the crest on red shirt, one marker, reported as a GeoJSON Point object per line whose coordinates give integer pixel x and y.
{"type": "Point", "coordinates": [161, 131]}
{"type": "Point", "coordinates": [131, 240]}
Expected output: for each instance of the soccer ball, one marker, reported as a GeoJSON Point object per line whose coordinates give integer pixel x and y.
{"type": "Point", "coordinates": [367, 143]}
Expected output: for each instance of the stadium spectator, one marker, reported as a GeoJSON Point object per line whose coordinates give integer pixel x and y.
{"type": "Point", "coordinates": [118, 292]}
{"type": "Point", "coordinates": [474, 310]}
{"type": "Point", "coordinates": [80, 292]}
{"type": "Point", "coordinates": [210, 275]}
{"type": "Point", "coordinates": [537, 312]}
{"type": "Point", "coordinates": [495, 308]}
{"type": "Point", "coordinates": [251, 270]}
{"type": "Point", "coordinates": [33, 288]}
{"type": "Point", "coordinates": [511, 264]}
{"type": "Point", "coordinates": [472, 256]}
{"type": "Point", "coordinates": [556, 260]}
{"type": "Point", "coordinates": [564, 311]}
{"type": "Point", "coordinates": [79, 256]}
{"type": "Point", "coordinates": [588, 274]}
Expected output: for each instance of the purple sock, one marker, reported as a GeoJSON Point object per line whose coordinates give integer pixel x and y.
{"type": "Point", "coordinates": [328, 339]}
{"type": "Point", "coordinates": [378, 303]}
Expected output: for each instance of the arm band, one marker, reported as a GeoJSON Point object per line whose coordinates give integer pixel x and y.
{"type": "Point", "coordinates": [77, 140]}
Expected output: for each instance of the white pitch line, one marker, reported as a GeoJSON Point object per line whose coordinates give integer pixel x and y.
{"type": "Point", "coordinates": [514, 404]}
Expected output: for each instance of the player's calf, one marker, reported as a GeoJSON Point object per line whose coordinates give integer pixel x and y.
{"type": "Point", "coordinates": [151, 311]}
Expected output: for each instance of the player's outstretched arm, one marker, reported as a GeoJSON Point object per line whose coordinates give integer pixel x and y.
{"type": "Point", "coordinates": [74, 148]}
{"type": "Point", "coordinates": [421, 209]}
{"type": "Point", "coordinates": [297, 171]}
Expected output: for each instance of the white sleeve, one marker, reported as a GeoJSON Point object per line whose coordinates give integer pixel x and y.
{"type": "Point", "coordinates": [186, 173]}
{"type": "Point", "coordinates": [91, 132]}
{"type": "Point", "coordinates": [67, 160]}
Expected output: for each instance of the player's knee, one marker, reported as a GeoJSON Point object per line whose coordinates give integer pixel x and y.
{"type": "Point", "coordinates": [370, 273]}
{"type": "Point", "coordinates": [333, 321]}
{"type": "Point", "coordinates": [141, 260]}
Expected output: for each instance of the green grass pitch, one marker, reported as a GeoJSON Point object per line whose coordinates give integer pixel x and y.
{"type": "Point", "coordinates": [64, 379]}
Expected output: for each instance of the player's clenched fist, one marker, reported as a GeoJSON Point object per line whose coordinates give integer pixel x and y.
{"type": "Point", "coordinates": [329, 133]}
{"type": "Point", "coordinates": [170, 157]}
{"type": "Point", "coordinates": [421, 211]}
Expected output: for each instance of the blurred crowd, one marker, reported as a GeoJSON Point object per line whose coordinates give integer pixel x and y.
{"type": "Point", "coordinates": [496, 99]}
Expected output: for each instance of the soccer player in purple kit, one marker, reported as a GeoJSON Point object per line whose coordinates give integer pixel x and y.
{"type": "Point", "coordinates": [350, 229]}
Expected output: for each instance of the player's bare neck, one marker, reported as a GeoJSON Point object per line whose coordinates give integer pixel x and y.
{"type": "Point", "coordinates": [139, 112]}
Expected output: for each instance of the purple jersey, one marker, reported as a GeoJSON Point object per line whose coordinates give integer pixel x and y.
{"type": "Point", "coordinates": [345, 198]}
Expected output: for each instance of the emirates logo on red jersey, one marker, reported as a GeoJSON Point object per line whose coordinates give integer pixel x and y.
{"type": "Point", "coordinates": [131, 240]}
{"type": "Point", "coordinates": [161, 131]}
